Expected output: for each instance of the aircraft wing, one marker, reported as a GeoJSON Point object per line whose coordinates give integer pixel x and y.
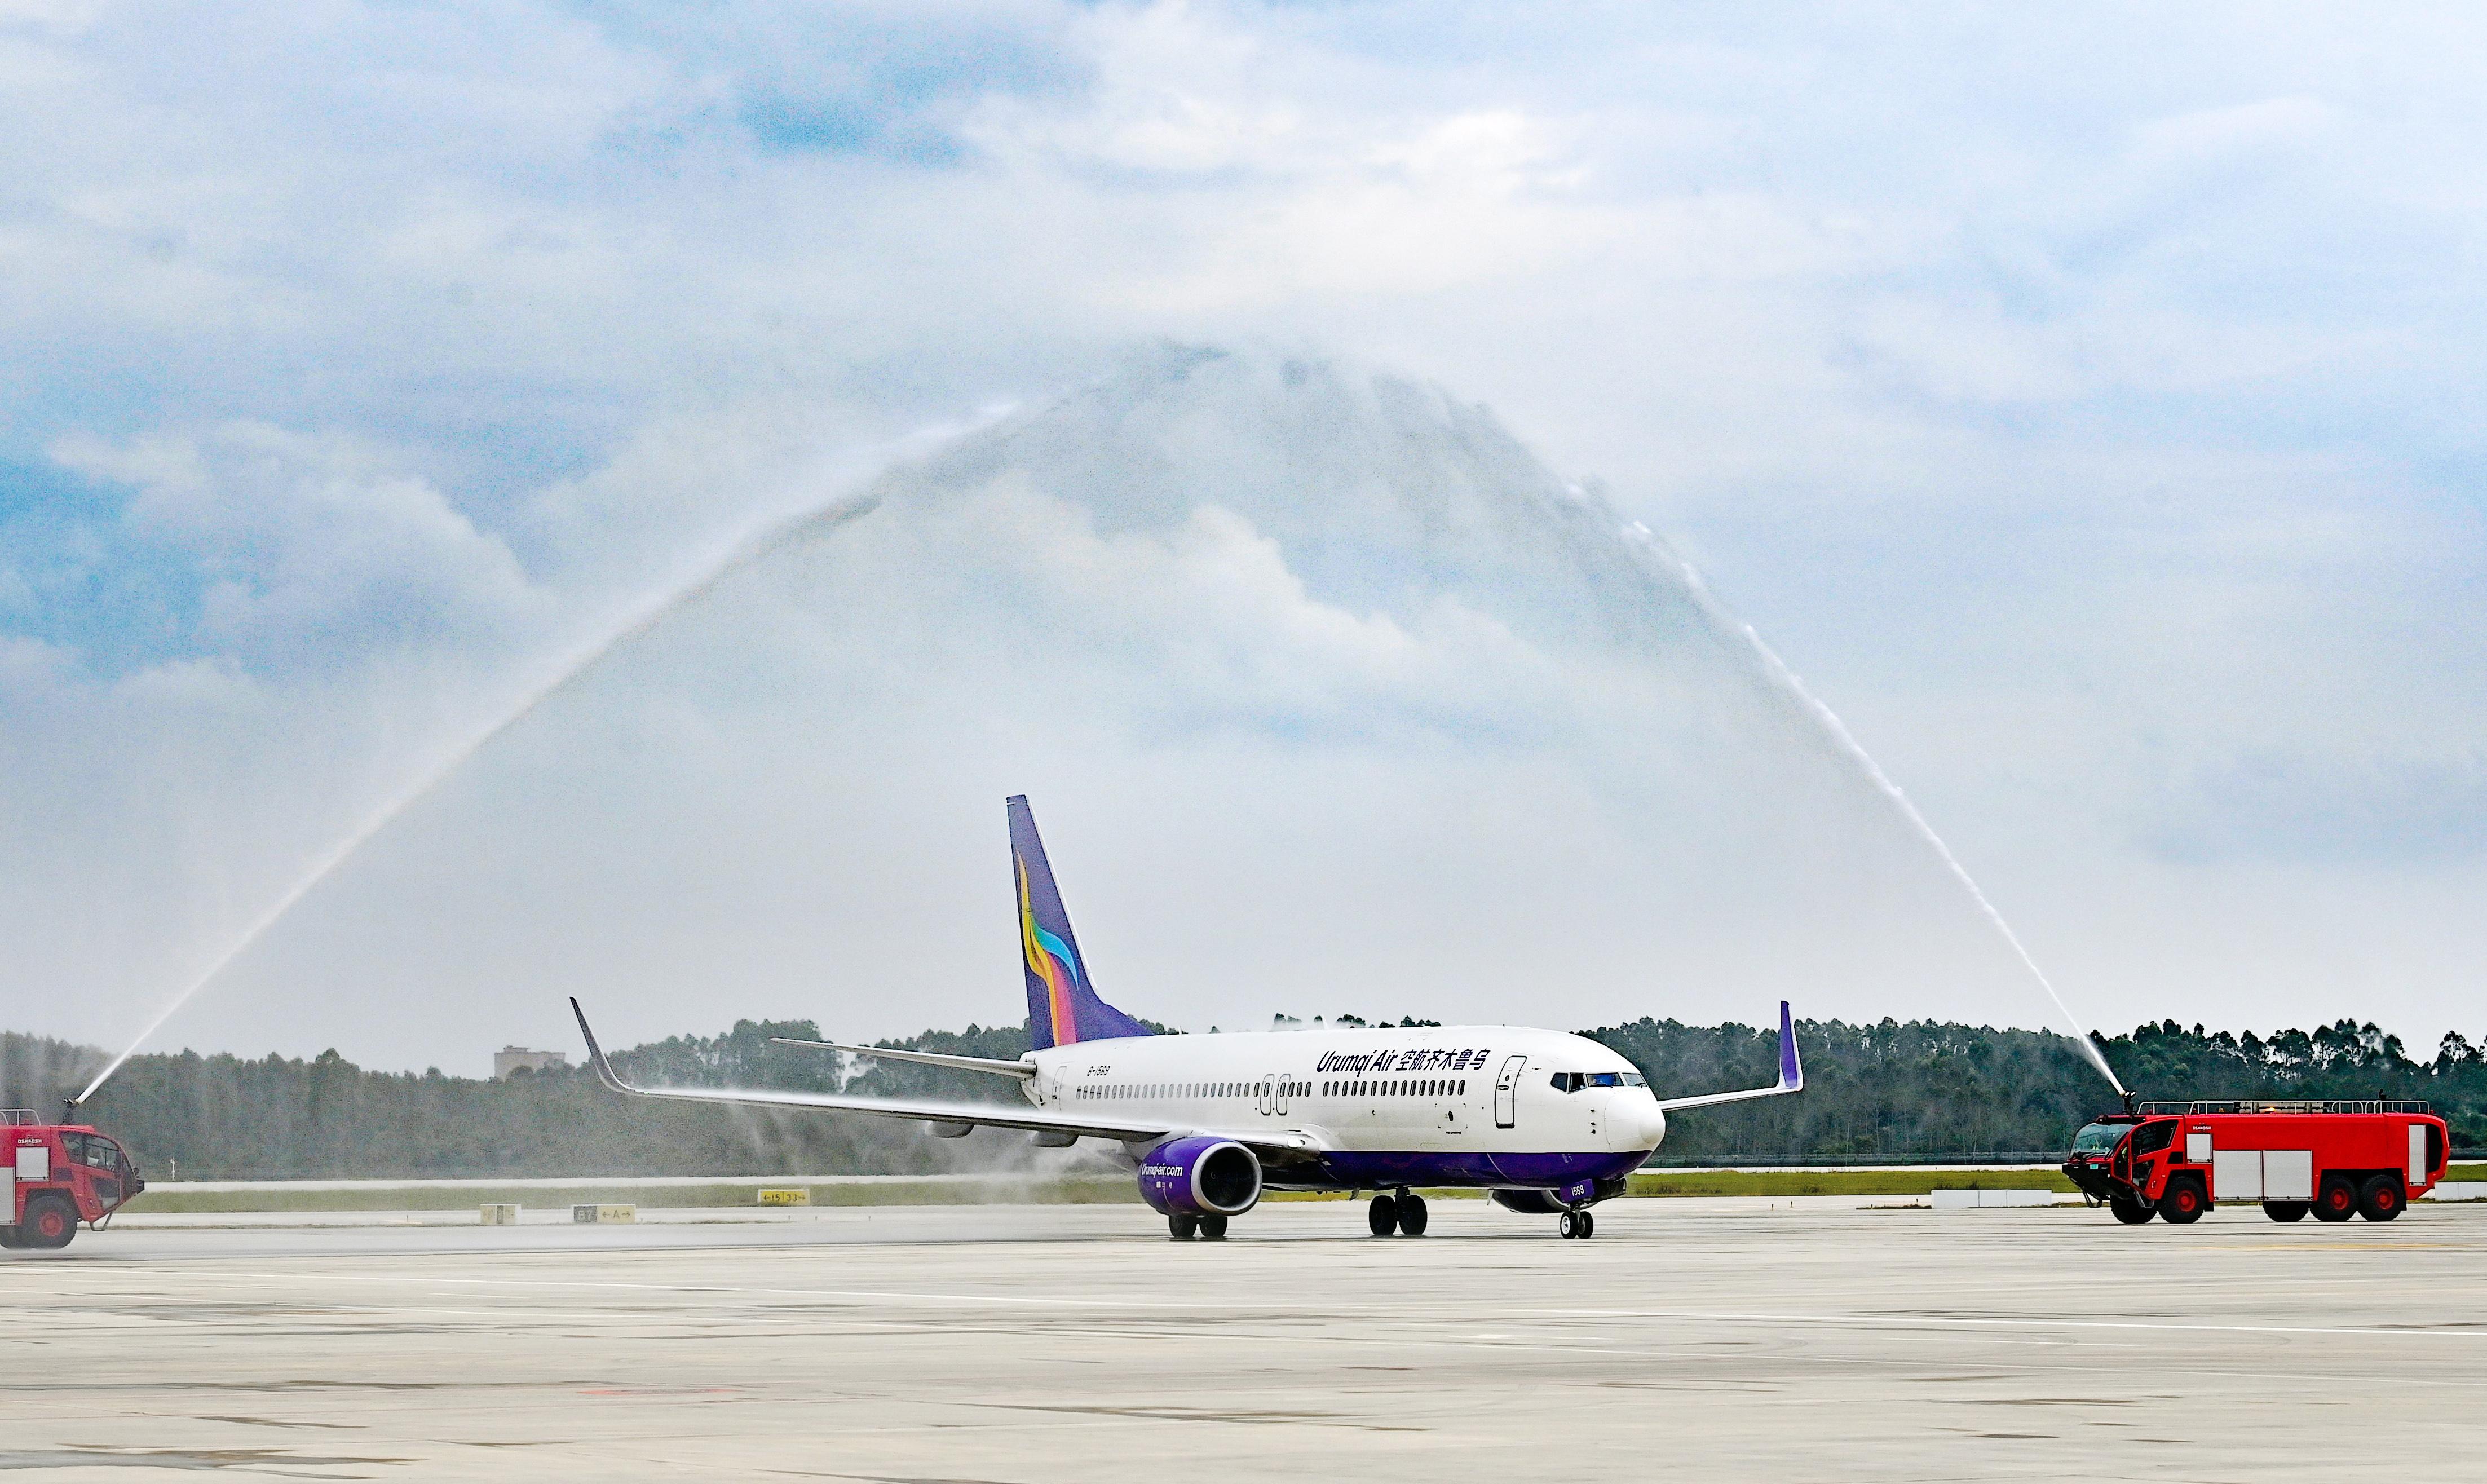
{"type": "Point", "coordinates": [979, 1114]}
{"type": "Point", "coordinates": [1791, 1074]}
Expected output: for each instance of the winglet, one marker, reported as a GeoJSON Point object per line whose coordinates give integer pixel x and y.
{"type": "Point", "coordinates": [1791, 1065]}
{"type": "Point", "coordinates": [1791, 1074]}
{"type": "Point", "coordinates": [604, 1072]}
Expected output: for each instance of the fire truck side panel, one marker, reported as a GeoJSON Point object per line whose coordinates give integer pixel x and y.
{"type": "Point", "coordinates": [2288, 1174]}
{"type": "Point", "coordinates": [32, 1166]}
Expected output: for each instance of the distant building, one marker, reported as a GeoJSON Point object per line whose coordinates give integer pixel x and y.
{"type": "Point", "coordinates": [510, 1060]}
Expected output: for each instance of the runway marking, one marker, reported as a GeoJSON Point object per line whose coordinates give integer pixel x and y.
{"type": "Point", "coordinates": [2332, 1246]}
{"type": "Point", "coordinates": [1928, 1321]}
{"type": "Point", "coordinates": [1251, 1306]}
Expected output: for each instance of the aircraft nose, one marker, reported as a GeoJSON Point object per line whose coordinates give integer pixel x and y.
{"type": "Point", "coordinates": [1648, 1121]}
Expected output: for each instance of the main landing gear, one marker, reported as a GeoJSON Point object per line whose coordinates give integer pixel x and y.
{"type": "Point", "coordinates": [1575, 1225]}
{"type": "Point", "coordinates": [1403, 1213]}
{"type": "Point", "coordinates": [1209, 1228]}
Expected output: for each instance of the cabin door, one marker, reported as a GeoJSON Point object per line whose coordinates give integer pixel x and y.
{"type": "Point", "coordinates": [1506, 1092]}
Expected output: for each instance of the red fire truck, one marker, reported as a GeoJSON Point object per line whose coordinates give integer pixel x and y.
{"type": "Point", "coordinates": [56, 1176]}
{"type": "Point", "coordinates": [2335, 1159]}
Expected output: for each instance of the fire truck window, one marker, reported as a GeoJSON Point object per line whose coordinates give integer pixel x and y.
{"type": "Point", "coordinates": [2434, 1147]}
{"type": "Point", "coordinates": [2099, 1137]}
{"type": "Point", "coordinates": [91, 1150]}
{"type": "Point", "coordinates": [2153, 1137]}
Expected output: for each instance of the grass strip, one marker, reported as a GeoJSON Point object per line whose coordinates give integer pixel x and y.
{"type": "Point", "coordinates": [1084, 1190]}
{"type": "Point", "coordinates": [278, 1198]}
{"type": "Point", "coordinates": [1842, 1182]}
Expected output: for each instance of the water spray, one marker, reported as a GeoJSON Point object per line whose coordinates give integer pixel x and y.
{"type": "Point", "coordinates": [1836, 730]}
{"type": "Point", "coordinates": [731, 556]}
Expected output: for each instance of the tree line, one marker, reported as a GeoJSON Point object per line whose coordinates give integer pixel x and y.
{"type": "Point", "coordinates": [1891, 1090]}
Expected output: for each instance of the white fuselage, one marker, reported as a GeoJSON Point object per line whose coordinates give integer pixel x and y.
{"type": "Point", "coordinates": [1490, 1089]}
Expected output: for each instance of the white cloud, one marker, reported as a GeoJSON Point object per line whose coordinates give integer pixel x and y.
{"type": "Point", "coordinates": [311, 543]}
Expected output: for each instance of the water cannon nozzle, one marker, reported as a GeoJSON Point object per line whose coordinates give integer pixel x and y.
{"type": "Point", "coordinates": [2132, 1103]}
{"type": "Point", "coordinates": [69, 1109]}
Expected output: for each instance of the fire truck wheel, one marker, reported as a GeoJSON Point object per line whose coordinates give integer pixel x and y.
{"type": "Point", "coordinates": [2336, 1201]}
{"type": "Point", "coordinates": [2382, 1199]}
{"type": "Point", "coordinates": [2129, 1213]}
{"type": "Point", "coordinates": [8, 1237]}
{"type": "Point", "coordinates": [2182, 1205]}
{"type": "Point", "coordinates": [50, 1222]}
{"type": "Point", "coordinates": [2285, 1209]}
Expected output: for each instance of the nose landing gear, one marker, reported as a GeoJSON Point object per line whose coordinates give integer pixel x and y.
{"type": "Point", "coordinates": [1575, 1225]}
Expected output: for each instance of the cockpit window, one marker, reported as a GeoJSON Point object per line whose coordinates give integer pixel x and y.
{"type": "Point", "coordinates": [1573, 1082]}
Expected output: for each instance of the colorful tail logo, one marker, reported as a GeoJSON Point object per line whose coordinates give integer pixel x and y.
{"type": "Point", "coordinates": [1062, 1004]}
{"type": "Point", "coordinates": [1054, 962]}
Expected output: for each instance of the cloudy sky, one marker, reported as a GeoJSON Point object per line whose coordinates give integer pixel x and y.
{"type": "Point", "coordinates": [2075, 400]}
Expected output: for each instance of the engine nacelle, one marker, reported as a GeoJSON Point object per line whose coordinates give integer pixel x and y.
{"type": "Point", "coordinates": [1201, 1176]}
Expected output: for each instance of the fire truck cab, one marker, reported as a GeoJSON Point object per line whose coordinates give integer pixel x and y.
{"type": "Point", "coordinates": [2335, 1159]}
{"type": "Point", "coordinates": [55, 1176]}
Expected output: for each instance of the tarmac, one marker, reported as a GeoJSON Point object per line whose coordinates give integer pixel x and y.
{"type": "Point", "coordinates": [1704, 1339]}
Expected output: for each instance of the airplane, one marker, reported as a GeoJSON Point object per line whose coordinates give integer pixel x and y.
{"type": "Point", "coordinates": [1545, 1122]}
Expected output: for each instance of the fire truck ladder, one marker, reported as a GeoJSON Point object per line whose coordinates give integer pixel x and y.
{"type": "Point", "coordinates": [2270, 1105]}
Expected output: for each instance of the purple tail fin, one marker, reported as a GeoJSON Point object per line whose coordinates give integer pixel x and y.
{"type": "Point", "coordinates": [1062, 1005]}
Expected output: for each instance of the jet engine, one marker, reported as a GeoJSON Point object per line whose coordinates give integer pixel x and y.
{"type": "Point", "coordinates": [1200, 1176]}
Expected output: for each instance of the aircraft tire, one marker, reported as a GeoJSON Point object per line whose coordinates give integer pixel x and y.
{"type": "Point", "coordinates": [1381, 1218]}
{"type": "Point", "coordinates": [1412, 1216]}
{"type": "Point", "coordinates": [1213, 1228]}
{"type": "Point", "coordinates": [1588, 1224]}
{"type": "Point", "coordinates": [1568, 1226]}
{"type": "Point", "coordinates": [2286, 1209]}
{"type": "Point", "coordinates": [1180, 1229]}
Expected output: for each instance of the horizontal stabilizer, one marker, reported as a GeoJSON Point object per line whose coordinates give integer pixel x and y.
{"type": "Point", "coordinates": [984, 1064]}
{"type": "Point", "coordinates": [1791, 1074]}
